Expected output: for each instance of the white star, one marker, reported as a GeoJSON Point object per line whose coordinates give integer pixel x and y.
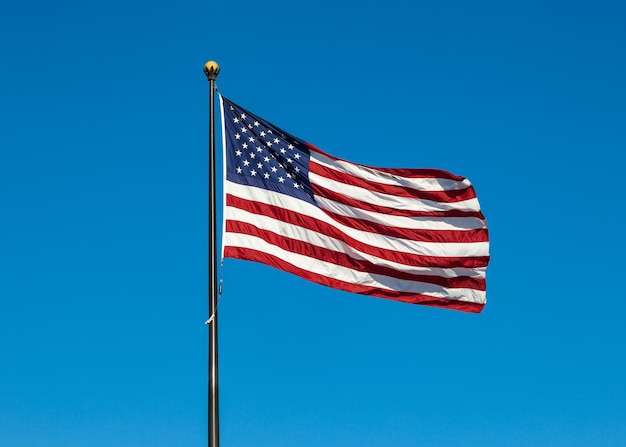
{"type": "Point", "coordinates": [290, 146]}
{"type": "Point", "coordinates": [251, 139]}
{"type": "Point", "coordinates": [243, 116]}
{"type": "Point", "coordinates": [297, 169]}
{"type": "Point", "coordinates": [266, 175]}
{"type": "Point", "coordinates": [253, 173]}
{"type": "Point", "coordinates": [235, 120]}
{"type": "Point", "coordinates": [274, 169]}
{"type": "Point", "coordinates": [268, 143]}
{"type": "Point", "coordinates": [252, 155]}
{"type": "Point", "coordinates": [262, 133]}
{"type": "Point", "coordinates": [244, 145]}
{"type": "Point", "coordinates": [266, 159]}
{"type": "Point", "coordinates": [276, 140]}
{"type": "Point", "coordinates": [237, 136]}
{"type": "Point", "coordinates": [283, 151]}
{"type": "Point", "coordinates": [259, 165]}
{"type": "Point", "coordinates": [238, 153]}
{"type": "Point", "coordinates": [238, 170]}
{"type": "Point", "coordinates": [259, 149]}
{"type": "Point", "coordinates": [295, 185]}
{"type": "Point", "coordinates": [296, 156]}
{"type": "Point", "coordinates": [256, 124]}
{"type": "Point", "coordinates": [289, 160]}
{"type": "Point", "coordinates": [281, 179]}
{"type": "Point", "coordinates": [244, 130]}
{"type": "Point", "coordinates": [246, 162]}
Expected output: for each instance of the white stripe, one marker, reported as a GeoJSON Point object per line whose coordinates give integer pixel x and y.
{"type": "Point", "coordinates": [374, 175]}
{"type": "Point", "coordinates": [320, 240]}
{"type": "Point", "coordinates": [447, 249]}
{"type": "Point", "coordinates": [416, 223]}
{"type": "Point", "coordinates": [341, 273]}
{"type": "Point", "coordinates": [392, 201]}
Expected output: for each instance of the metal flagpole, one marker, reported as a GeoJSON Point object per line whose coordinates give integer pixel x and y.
{"type": "Point", "coordinates": [211, 69]}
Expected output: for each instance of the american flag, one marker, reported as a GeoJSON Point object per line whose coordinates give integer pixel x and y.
{"type": "Point", "coordinates": [411, 235]}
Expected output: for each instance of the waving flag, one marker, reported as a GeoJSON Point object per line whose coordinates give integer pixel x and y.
{"type": "Point", "coordinates": [412, 235]}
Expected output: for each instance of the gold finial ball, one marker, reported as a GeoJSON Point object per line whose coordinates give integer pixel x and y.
{"type": "Point", "coordinates": [211, 70]}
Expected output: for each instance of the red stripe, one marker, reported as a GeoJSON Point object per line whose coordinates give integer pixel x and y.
{"type": "Point", "coordinates": [344, 260]}
{"type": "Point", "coordinates": [448, 196]}
{"type": "Point", "coordinates": [265, 258]}
{"type": "Point", "coordinates": [421, 235]}
{"type": "Point", "coordinates": [313, 224]}
{"type": "Point", "coordinates": [340, 198]}
{"type": "Point", "coordinates": [401, 172]}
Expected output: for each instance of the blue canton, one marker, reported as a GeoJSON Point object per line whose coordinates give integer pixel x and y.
{"type": "Point", "coordinates": [262, 155]}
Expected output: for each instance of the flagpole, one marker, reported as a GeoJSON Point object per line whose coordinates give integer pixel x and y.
{"type": "Point", "coordinates": [211, 70]}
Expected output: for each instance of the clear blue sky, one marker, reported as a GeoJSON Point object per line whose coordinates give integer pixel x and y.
{"type": "Point", "coordinates": [103, 224]}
